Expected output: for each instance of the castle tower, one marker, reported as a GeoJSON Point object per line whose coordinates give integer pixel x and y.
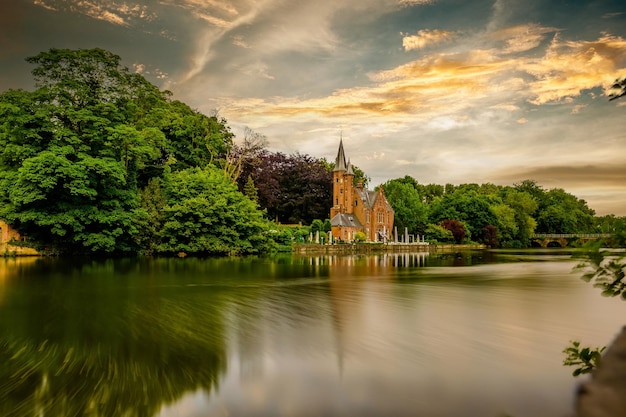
{"type": "Point", "coordinates": [339, 184]}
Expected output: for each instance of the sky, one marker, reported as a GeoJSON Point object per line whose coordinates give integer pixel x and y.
{"type": "Point", "coordinates": [446, 91]}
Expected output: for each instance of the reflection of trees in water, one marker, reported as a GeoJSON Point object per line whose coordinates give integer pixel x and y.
{"type": "Point", "coordinates": [124, 349]}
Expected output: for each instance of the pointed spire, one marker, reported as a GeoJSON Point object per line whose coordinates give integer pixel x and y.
{"type": "Point", "coordinates": [340, 161]}
{"type": "Point", "coordinates": [349, 169]}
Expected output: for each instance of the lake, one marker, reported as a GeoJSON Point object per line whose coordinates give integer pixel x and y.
{"type": "Point", "coordinates": [477, 333]}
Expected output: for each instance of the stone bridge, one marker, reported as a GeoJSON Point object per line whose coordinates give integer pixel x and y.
{"type": "Point", "coordinates": [562, 240]}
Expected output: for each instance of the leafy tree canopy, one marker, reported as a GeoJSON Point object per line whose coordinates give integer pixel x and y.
{"type": "Point", "coordinates": [292, 188]}
{"type": "Point", "coordinates": [409, 210]}
{"type": "Point", "coordinates": [206, 214]}
{"type": "Point", "coordinates": [76, 152]}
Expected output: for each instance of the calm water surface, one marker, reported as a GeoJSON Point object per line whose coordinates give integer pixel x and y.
{"type": "Point", "coordinates": [471, 334]}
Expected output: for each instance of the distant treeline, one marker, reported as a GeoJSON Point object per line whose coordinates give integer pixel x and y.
{"type": "Point", "coordinates": [499, 216]}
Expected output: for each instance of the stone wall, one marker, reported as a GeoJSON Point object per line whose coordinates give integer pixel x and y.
{"type": "Point", "coordinates": [7, 234]}
{"type": "Point", "coordinates": [360, 248]}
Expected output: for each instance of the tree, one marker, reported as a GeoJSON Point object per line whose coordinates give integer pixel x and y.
{"type": "Point", "coordinates": [429, 192]}
{"type": "Point", "coordinates": [490, 235]}
{"type": "Point", "coordinates": [206, 214]}
{"type": "Point", "coordinates": [409, 211]}
{"type": "Point", "coordinates": [507, 225]}
{"type": "Point", "coordinates": [466, 205]}
{"type": "Point", "coordinates": [456, 228]}
{"type": "Point", "coordinates": [438, 233]}
{"type": "Point", "coordinates": [250, 191]}
{"type": "Point", "coordinates": [153, 201]}
{"type": "Point", "coordinates": [563, 212]}
{"type": "Point", "coordinates": [524, 206]}
{"type": "Point", "coordinates": [73, 202]}
{"type": "Point", "coordinates": [616, 226]}
{"type": "Point", "coordinates": [317, 226]}
{"type": "Point", "coordinates": [233, 163]}
{"type": "Point", "coordinates": [192, 138]}
{"type": "Point", "coordinates": [360, 237]}
{"type": "Point", "coordinates": [292, 188]}
{"type": "Point", "coordinates": [63, 181]}
{"type": "Point", "coordinates": [531, 187]}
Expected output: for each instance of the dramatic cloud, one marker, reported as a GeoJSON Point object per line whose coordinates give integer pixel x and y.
{"type": "Point", "coordinates": [435, 83]}
{"type": "Point", "coordinates": [569, 67]}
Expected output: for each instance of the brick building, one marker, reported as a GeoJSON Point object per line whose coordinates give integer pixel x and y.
{"type": "Point", "coordinates": [356, 209]}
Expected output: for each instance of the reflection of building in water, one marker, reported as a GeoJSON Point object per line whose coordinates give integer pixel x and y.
{"type": "Point", "coordinates": [370, 262]}
{"type": "Point", "coordinates": [356, 209]}
{"type": "Point", "coordinates": [359, 304]}
{"type": "Point", "coordinates": [250, 341]}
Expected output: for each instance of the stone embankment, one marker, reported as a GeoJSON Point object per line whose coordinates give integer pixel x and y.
{"type": "Point", "coordinates": [7, 249]}
{"type": "Point", "coordinates": [360, 248]}
{"type": "Point", "coordinates": [357, 248]}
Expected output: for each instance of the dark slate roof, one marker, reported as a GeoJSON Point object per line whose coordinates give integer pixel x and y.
{"type": "Point", "coordinates": [345, 219]}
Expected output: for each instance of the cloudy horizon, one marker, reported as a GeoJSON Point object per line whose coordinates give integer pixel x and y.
{"type": "Point", "coordinates": [446, 91]}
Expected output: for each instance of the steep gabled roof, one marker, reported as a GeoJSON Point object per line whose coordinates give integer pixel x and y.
{"type": "Point", "coordinates": [368, 197]}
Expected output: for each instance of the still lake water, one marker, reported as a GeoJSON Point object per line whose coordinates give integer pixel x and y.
{"type": "Point", "coordinates": [475, 334]}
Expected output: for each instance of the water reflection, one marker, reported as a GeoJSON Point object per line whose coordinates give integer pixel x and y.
{"type": "Point", "coordinates": [90, 339]}
{"type": "Point", "coordinates": [391, 334]}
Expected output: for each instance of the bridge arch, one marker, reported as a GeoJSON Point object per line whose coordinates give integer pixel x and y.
{"type": "Point", "coordinates": [551, 240]}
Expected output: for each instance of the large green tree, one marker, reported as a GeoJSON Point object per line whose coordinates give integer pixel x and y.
{"type": "Point", "coordinates": [76, 152]}
{"type": "Point", "coordinates": [467, 205]}
{"type": "Point", "coordinates": [524, 206]}
{"type": "Point", "coordinates": [409, 210]}
{"type": "Point", "coordinates": [563, 212]}
{"type": "Point", "coordinates": [205, 214]}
